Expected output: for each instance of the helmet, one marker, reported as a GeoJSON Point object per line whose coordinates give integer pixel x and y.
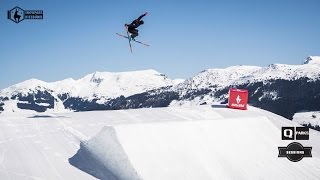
{"type": "Point", "coordinates": [141, 22]}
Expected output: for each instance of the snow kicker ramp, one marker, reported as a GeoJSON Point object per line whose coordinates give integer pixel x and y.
{"type": "Point", "coordinates": [221, 148]}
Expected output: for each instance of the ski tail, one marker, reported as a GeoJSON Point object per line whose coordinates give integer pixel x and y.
{"type": "Point", "coordinates": [141, 42]}
{"type": "Point", "coordinates": [122, 35]}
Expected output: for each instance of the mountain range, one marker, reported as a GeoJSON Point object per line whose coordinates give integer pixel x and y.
{"type": "Point", "coordinates": [279, 88]}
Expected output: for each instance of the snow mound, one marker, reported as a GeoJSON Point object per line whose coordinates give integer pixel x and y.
{"type": "Point", "coordinates": [199, 142]}
{"type": "Point", "coordinates": [217, 148]}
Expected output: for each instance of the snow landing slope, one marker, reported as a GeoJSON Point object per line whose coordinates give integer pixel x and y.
{"type": "Point", "coordinates": [200, 142]}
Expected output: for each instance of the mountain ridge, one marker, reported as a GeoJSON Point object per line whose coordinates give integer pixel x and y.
{"type": "Point", "coordinates": [279, 88]}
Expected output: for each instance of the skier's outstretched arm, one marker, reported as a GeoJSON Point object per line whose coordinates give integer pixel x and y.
{"type": "Point", "coordinates": [135, 23]}
{"type": "Point", "coordinates": [140, 17]}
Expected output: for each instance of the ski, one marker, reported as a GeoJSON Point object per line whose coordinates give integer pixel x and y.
{"type": "Point", "coordinates": [122, 35]}
{"type": "Point", "coordinates": [129, 39]}
{"type": "Point", "coordinates": [141, 43]}
{"type": "Point", "coordinates": [133, 40]}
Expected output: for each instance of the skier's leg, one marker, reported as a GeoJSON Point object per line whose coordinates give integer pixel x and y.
{"type": "Point", "coordinates": [134, 34]}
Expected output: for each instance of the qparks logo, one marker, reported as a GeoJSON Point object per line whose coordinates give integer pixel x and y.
{"type": "Point", "coordinates": [295, 151]}
{"type": "Point", "coordinates": [17, 14]}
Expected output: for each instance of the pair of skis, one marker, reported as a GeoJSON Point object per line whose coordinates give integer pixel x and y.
{"type": "Point", "coordinates": [129, 38]}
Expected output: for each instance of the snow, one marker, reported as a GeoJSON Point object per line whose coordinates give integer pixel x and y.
{"type": "Point", "coordinates": [305, 118]}
{"type": "Point", "coordinates": [25, 87]}
{"type": "Point", "coordinates": [99, 84]}
{"type": "Point", "coordinates": [220, 78]}
{"type": "Point", "coordinates": [10, 107]}
{"type": "Point", "coordinates": [287, 72]}
{"type": "Point", "coordinates": [43, 104]}
{"type": "Point", "coordinates": [178, 81]}
{"type": "Point", "coordinates": [217, 77]}
{"type": "Point", "coordinates": [113, 85]}
{"type": "Point", "coordinates": [196, 142]}
{"type": "Point", "coordinates": [312, 60]}
{"type": "Point", "coordinates": [104, 86]}
{"type": "Point", "coordinates": [269, 94]}
{"type": "Point", "coordinates": [309, 69]}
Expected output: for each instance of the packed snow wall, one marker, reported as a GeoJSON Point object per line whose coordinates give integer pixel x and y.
{"type": "Point", "coordinates": [225, 148]}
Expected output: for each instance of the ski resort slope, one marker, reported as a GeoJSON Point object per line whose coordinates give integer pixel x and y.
{"type": "Point", "coordinates": [196, 142]}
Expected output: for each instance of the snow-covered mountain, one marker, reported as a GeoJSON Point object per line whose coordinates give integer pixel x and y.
{"type": "Point", "coordinates": [217, 78]}
{"type": "Point", "coordinates": [235, 75]}
{"type": "Point", "coordinates": [98, 84]}
{"type": "Point", "coordinates": [272, 82]}
{"type": "Point", "coordinates": [310, 69]}
{"type": "Point", "coordinates": [279, 88]}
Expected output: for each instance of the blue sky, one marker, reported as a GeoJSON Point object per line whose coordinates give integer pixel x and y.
{"type": "Point", "coordinates": [76, 38]}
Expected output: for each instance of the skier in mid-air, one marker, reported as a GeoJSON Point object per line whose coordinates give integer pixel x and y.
{"type": "Point", "coordinates": [135, 24]}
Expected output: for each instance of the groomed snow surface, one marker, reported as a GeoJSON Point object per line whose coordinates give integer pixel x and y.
{"type": "Point", "coordinates": [196, 142]}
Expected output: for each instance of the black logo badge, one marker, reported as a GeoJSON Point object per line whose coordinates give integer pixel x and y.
{"type": "Point", "coordinates": [302, 133]}
{"type": "Point", "coordinates": [298, 133]}
{"type": "Point", "coordinates": [295, 152]}
{"type": "Point", "coordinates": [288, 133]}
{"type": "Point", "coordinates": [17, 14]}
